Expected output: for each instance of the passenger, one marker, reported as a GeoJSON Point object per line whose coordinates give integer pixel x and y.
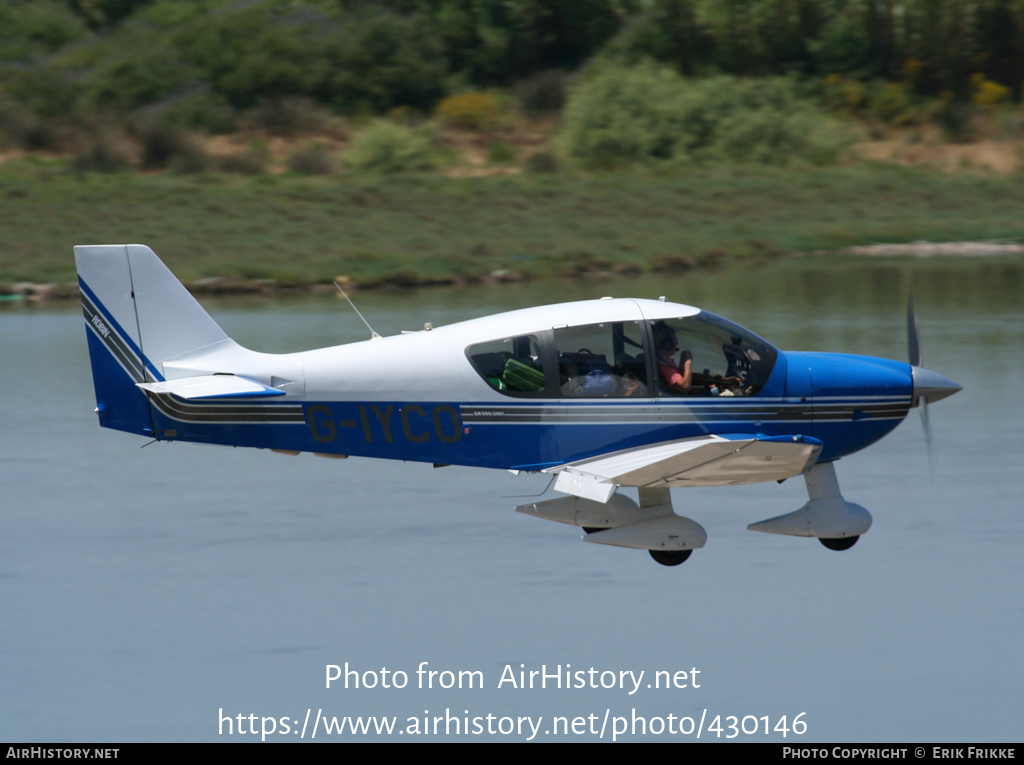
{"type": "Point", "coordinates": [676, 378]}
{"type": "Point", "coordinates": [629, 371]}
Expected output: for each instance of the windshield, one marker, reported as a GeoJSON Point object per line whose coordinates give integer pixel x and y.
{"type": "Point", "coordinates": [706, 354]}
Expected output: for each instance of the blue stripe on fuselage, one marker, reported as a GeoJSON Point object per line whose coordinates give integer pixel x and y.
{"type": "Point", "coordinates": [535, 434]}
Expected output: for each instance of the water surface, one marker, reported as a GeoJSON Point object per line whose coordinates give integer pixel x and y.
{"type": "Point", "coordinates": [145, 590]}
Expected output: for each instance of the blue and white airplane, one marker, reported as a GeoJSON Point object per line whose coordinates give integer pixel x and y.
{"type": "Point", "coordinates": [603, 394]}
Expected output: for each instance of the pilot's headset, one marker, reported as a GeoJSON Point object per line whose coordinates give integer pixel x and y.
{"type": "Point", "coordinates": [664, 337]}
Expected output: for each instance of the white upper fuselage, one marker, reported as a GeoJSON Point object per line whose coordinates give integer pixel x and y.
{"type": "Point", "coordinates": [426, 365]}
{"type": "Point", "coordinates": [417, 396]}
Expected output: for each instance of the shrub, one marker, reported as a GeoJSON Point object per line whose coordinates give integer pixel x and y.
{"type": "Point", "coordinates": [889, 102]}
{"type": "Point", "coordinates": [199, 109]}
{"type": "Point", "coordinates": [246, 51]}
{"type": "Point", "coordinates": [388, 148]}
{"type": "Point", "coordinates": [476, 111]}
{"type": "Point", "coordinates": [543, 93]}
{"type": "Point", "coordinates": [192, 158]}
{"type": "Point", "coordinates": [314, 159]}
{"type": "Point", "coordinates": [987, 93]}
{"type": "Point", "coordinates": [649, 113]}
{"type": "Point", "coordinates": [290, 116]}
{"type": "Point", "coordinates": [162, 144]}
{"type": "Point", "coordinates": [501, 153]}
{"type": "Point", "coordinates": [21, 128]}
{"type": "Point", "coordinates": [103, 155]}
{"type": "Point", "coordinates": [140, 71]}
{"type": "Point", "coordinates": [844, 96]}
{"type": "Point", "coordinates": [48, 90]}
{"type": "Point", "coordinates": [375, 59]}
{"type": "Point", "coordinates": [252, 161]}
{"type": "Point", "coordinates": [956, 119]}
{"type": "Point", "coordinates": [30, 29]}
{"type": "Point", "coordinates": [541, 162]}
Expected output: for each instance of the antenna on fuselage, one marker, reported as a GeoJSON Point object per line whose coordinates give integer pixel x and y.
{"type": "Point", "coordinates": [373, 333]}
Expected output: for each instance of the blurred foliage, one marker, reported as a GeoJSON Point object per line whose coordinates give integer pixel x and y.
{"type": "Point", "coordinates": [893, 103]}
{"type": "Point", "coordinates": [987, 93]}
{"type": "Point", "coordinates": [251, 161]}
{"type": "Point", "coordinates": [543, 93]}
{"type": "Point", "coordinates": [313, 159]}
{"type": "Point", "coordinates": [375, 60]}
{"type": "Point", "coordinates": [409, 51]}
{"type": "Point", "coordinates": [104, 154]}
{"type": "Point", "coordinates": [164, 145]}
{"type": "Point", "coordinates": [33, 28]}
{"type": "Point", "coordinates": [293, 66]}
{"type": "Point", "coordinates": [475, 111]}
{"type": "Point", "coordinates": [103, 13]}
{"type": "Point", "coordinates": [384, 147]}
{"type": "Point", "coordinates": [649, 113]}
{"type": "Point", "coordinates": [500, 41]}
{"type": "Point", "coordinates": [501, 153]}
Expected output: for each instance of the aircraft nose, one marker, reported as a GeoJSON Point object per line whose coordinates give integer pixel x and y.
{"type": "Point", "coordinates": [932, 386]}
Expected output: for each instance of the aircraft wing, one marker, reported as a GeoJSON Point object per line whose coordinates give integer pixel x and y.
{"type": "Point", "coordinates": [212, 386]}
{"type": "Point", "coordinates": [704, 461]}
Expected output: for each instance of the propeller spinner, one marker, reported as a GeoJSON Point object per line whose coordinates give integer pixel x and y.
{"type": "Point", "coordinates": [928, 386]}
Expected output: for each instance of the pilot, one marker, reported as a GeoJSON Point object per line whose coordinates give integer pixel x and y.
{"type": "Point", "coordinates": [676, 378]}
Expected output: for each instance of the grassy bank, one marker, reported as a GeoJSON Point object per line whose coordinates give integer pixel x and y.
{"type": "Point", "coordinates": [428, 228]}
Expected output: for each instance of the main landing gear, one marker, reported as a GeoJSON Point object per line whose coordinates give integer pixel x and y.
{"type": "Point", "coordinates": [670, 557]}
{"type": "Point", "coordinates": [842, 543]}
{"type": "Point", "coordinates": [836, 523]}
{"type": "Point", "coordinates": [652, 525]}
{"type": "Point", "coordinates": [655, 527]}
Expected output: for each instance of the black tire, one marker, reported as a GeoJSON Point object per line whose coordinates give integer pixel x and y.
{"type": "Point", "coordinates": [670, 557]}
{"type": "Point", "coordinates": [839, 543]}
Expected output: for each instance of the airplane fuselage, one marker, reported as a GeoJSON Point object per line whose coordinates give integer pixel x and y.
{"type": "Point", "coordinates": [418, 397]}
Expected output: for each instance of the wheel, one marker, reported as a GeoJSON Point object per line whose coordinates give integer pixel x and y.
{"type": "Point", "coordinates": [839, 543]}
{"type": "Point", "coordinates": [670, 557]}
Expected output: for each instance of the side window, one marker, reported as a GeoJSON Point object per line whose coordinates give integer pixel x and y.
{"type": "Point", "coordinates": [602, 361]}
{"type": "Point", "coordinates": [512, 365]}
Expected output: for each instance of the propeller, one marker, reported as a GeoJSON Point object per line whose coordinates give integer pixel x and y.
{"type": "Point", "coordinates": [916, 358]}
{"type": "Point", "coordinates": [913, 341]}
{"type": "Point", "coordinates": [928, 386]}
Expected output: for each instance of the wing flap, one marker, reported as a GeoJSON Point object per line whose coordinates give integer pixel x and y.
{"type": "Point", "coordinates": [703, 461]}
{"type": "Point", "coordinates": [211, 387]}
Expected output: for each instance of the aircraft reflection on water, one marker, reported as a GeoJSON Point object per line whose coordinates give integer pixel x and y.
{"type": "Point", "coordinates": [601, 393]}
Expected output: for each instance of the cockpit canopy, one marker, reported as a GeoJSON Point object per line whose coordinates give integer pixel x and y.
{"type": "Point", "coordinates": [627, 359]}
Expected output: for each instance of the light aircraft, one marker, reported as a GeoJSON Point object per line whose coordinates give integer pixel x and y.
{"type": "Point", "coordinates": [592, 392]}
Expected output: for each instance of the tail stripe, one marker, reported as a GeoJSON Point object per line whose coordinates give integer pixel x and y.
{"type": "Point", "coordinates": [113, 336]}
{"type": "Point", "coordinates": [182, 411]}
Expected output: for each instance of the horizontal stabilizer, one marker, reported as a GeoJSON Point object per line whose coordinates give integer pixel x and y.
{"type": "Point", "coordinates": [212, 387]}
{"type": "Point", "coordinates": [704, 461]}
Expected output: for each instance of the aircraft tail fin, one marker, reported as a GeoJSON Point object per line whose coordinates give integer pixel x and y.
{"type": "Point", "coordinates": [137, 316]}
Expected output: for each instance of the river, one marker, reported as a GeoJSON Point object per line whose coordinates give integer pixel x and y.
{"type": "Point", "coordinates": [182, 593]}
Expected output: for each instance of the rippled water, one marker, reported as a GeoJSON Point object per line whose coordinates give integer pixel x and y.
{"type": "Point", "coordinates": [143, 591]}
